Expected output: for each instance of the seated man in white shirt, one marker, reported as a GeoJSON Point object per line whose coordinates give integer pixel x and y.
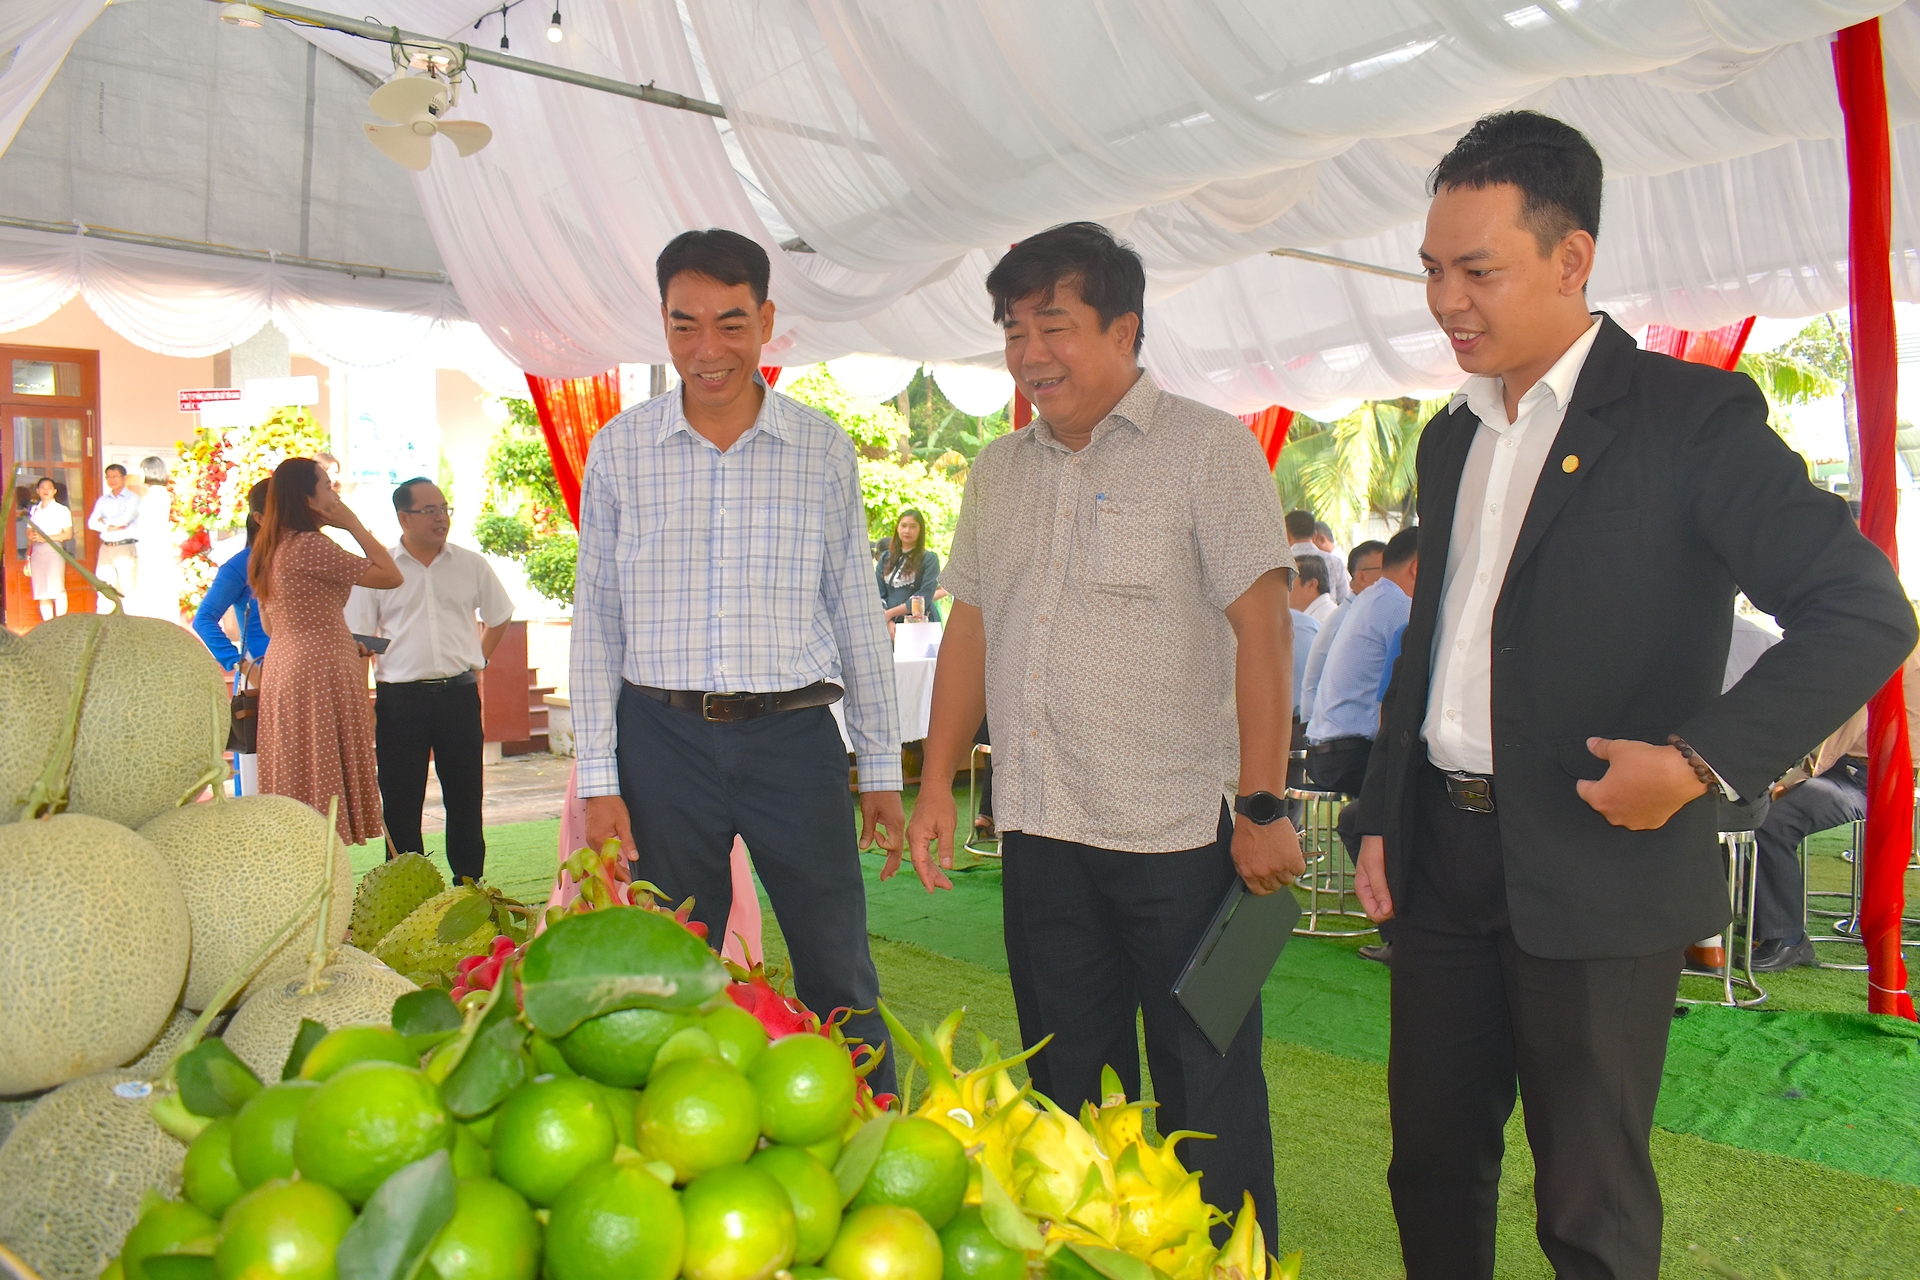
{"type": "Point", "coordinates": [427, 695]}
{"type": "Point", "coordinates": [1312, 592]}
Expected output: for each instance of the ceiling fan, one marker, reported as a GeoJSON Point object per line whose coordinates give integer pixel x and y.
{"type": "Point", "coordinates": [418, 104]}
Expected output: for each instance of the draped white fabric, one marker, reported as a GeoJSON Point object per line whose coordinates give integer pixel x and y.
{"type": "Point", "coordinates": [38, 34]}
{"type": "Point", "coordinates": [908, 141]}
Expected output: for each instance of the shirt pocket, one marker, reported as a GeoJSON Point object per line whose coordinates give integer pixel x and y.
{"type": "Point", "coordinates": [785, 551]}
{"type": "Point", "coordinates": [1130, 551]}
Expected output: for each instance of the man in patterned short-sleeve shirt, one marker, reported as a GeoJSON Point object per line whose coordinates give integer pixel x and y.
{"type": "Point", "coordinates": [1120, 577]}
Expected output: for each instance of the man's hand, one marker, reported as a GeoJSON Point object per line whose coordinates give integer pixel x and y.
{"type": "Point", "coordinates": [1370, 879]}
{"type": "Point", "coordinates": [883, 822]}
{"type": "Point", "coordinates": [1269, 857]}
{"type": "Point", "coordinates": [1644, 785]}
{"type": "Point", "coordinates": [607, 820]}
{"type": "Point", "coordinates": [934, 821]}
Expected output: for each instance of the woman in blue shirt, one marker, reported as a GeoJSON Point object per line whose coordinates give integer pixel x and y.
{"type": "Point", "coordinates": [906, 568]}
{"type": "Point", "coordinates": [230, 591]}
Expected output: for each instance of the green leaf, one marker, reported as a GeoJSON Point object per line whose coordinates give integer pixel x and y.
{"type": "Point", "coordinates": [1111, 1263]}
{"type": "Point", "coordinates": [614, 958]}
{"type": "Point", "coordinates": [213, 1081]}
{"type": "Point", "coordinates": [546, 1057]}
{"type": "Point", "coordinates": [494, 1066]}
{"type": "Point", "coordinates": [310, 1034]}
{"type": "Point", "coordinates": [857, 1159]}
{"type": "Point", "coordinates": [187, 1260]}
{"type": "Point", "coordinates": [419, 1013]}
{"type": "Point", "coordinates": [1006, 1220]}
{"type": "Point", "coordinates": [172, 1116]}
{"type": "Point", "coordinates": [392, 1235]}
{"type": "Point", "coordinates": [464, 916]}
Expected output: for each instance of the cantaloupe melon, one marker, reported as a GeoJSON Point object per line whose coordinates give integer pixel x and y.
{"type": "Point", "coordinates": [245, 867]}
{"type": "Point", "coordinates": [11, 1109]}
{"type": "Point", "coordinates": [352, 991]}
{"type": "Point", "coordinates": [31, 709]}
{"type": "Point", "coordinates": [158, 1054]}
{"type": "Point", "coordinates": [94, 951]}
{"type": "Point", "coordinates": [74, 1169]}
{"type": "Point", "coordinates": [155, 715]}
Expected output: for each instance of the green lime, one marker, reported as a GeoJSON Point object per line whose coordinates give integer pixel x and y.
{"type": "Point", "coordinates": [884, 1242]}
{"type": "Point", "coordinates": [340, 1049]}
{"type": "Point", "coordinates": [114, 1271]}
{"type": "Point", "coordinates": [546, 1132]}
{"type": "Point", "coordinates": [492, 1235]}
{"type": "Point", "coordinates": [167, 1224]}
{"type": "Point", "coordinates": [696, 1116]}
{"type": "Point", "coordinates": [972, 1252]}
{"type": "Point", "coordinates": [621, 1103]}
{"type": "Point", "coordinates": [921, 1167]}
{"type": "Point", "coordinates": [207, 1176]}
{"type": "Point", "coordinates": [815, 1195]}
{"type": "Point", "coordinates": [471, 1157]}
{"type": "Point", "coordinates": [827, 1150]}
{"type": "Point", "coordinates": [263, 1131]}
{"type": "Point", "coordinates": [740, 1224]}
{"type": "Point", "coordinates": [282, 1231]}
{"type": "Point", "coordinates": [618, 1048]}
{"type": "Point", "coordinates": [615, 1222]}
{"type": "Point", "coordinates": [806, 1086]}
{"type": "Point", "coordinates": [366, 1122]}
{"type": "Point", "coordinates": [688, 1042]}
{"type": "Point", "coordinates": [738, 1034]}
{"type": "Point", "coordinates": [483, 1127]}
{"type": "Point", "coordinates": [797, 1272]}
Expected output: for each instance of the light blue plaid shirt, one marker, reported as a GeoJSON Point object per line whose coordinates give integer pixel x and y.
{"type": "Point", "coordinates": [744, 571]}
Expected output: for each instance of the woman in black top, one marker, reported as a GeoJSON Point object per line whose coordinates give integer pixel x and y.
{"type": "Point", "coordinates": [906, 568]}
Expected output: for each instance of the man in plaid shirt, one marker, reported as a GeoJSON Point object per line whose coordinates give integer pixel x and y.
{"type": "Point", "coordinates": [724, 596]}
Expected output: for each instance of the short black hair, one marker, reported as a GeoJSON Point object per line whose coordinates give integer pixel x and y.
{"type": "Point", "coordinates": [114, 466]}
{"type": "Point", "coordinates": [403, 495]}
{"type": "Point", "coordinates": [726, 256]}
{"type": "Point", "coordinates": [1321, 529]}
{"type": "Point", "coordinates": [1299, 526]}
{"type": "Point", "coordinates": [1556, 168]}
{"type": "Point", "coordinates": [1105, 272]}
{"type": "Point", "coordinates": [1313, 569]}
{"type": "Point", "coordinates": [1371, 547]}
{"type": "Point", "coordinates": [1401, 547]}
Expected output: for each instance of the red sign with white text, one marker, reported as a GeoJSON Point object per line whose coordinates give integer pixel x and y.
{"type": "Point", "coordinates": [191, 400]}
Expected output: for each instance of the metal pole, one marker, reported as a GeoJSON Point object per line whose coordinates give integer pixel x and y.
{"type": "Point", "coordinates": [1327, 260]}
{"type": "Point", "coordinates": [356, 269]}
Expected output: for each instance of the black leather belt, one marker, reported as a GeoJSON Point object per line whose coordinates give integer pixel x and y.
{"type": "Point", "coordinates": [460, 681]}
{"type": "Point", "coordinates": [1472, 792]}
{"type": "Point", "coordinates": [1337, 744]}
{"type": "Point", "coordinates": [727, 708]}
{"type": "Point", "coordinates": [124, 542]}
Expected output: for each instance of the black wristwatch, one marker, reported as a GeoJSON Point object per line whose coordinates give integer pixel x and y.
{"type": "Point", "coordinates": [1261, 808]}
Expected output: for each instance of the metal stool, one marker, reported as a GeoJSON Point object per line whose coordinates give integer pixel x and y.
{"type": "Point", "coordinates": [973, 804]}
{"type": "Point", "coordinates": [1743, 869]}
{"type": "Point", "coordinates": [1846, 924]}
{"type": "Point", "coordinates": [1327, 873]}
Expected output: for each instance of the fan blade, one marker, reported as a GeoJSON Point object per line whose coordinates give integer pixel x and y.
{"type": "Point", "coordinates": [402, 99]}
{"type": "Point", "coordinates": [401, 144]}
{"type": "Point", "coordinates": [468, 135]}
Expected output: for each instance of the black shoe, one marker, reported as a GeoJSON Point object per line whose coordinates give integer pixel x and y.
{"type": "Point", "coordinates": [1771, 955]}
{"type": "Point", "coordinates": [1382, 953]}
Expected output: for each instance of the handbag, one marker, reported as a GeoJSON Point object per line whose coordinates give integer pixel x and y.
{"type": "Point", "coordinates": [243, 732]}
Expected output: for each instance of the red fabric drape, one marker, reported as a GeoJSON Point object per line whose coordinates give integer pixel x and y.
{"type": "Point", "coordinates": [571, 411]}
{"type": "Point", "coordinates": [1270, 427]}
{"type": "Point", "coordinates": [1022, 409]}
{"type": "Point", "coordinates": [1861, 77]}
{"type": "Point", "coordinates": [771, 372]}
{"type": "Point", "coordinates": [1720, 347]}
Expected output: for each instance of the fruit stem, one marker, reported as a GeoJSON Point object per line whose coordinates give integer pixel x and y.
{"type": "Point", "coordinates": [217, 773]}
{"type": "Point", "coordinates": [318, 959]}
{"type": "Point", "coordinates": [49, 792]}
{"type": "Point", "coordinates": [99, 585]}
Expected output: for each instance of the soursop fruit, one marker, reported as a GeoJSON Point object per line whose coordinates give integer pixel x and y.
{"type": "Point", "coordinates": [413, 946]}
{"type": "Point", "coordinates": [389, 894]}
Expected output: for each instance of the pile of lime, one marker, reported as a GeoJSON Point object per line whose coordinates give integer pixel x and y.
{"type": "Point", "coordinates": [644, 1143]}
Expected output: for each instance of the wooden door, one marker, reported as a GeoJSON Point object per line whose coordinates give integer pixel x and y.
{"type": "Point", "coordinates": [49, 426]}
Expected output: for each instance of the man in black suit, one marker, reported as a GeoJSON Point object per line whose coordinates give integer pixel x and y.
{"type": "Point", "coordinates": [1536, 815]}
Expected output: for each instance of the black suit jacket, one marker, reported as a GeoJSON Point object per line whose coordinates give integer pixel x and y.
{"type": "Point", "coordinates": [1614, 622]}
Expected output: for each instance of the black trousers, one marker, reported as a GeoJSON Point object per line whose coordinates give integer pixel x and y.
{"type": "Point", "coordinates": [1836, 797]}
{"type": "Point", "coordinates": [780, 784]}
{"type": "Point", "coordinates": [1096, 937]}
{"type": "Point", "coordinates": [1473, 1013]}
{"type": "Point", "coordinates": [411, 722]}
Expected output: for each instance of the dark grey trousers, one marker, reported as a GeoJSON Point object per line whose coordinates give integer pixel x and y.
{"type": "Point", "coordinates": [780, 784]}
{"type": "Point", "coordinates": [1836, 797]}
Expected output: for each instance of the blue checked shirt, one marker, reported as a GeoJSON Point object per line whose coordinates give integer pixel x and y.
{"type": "Point", "coordinates": [744, 571]}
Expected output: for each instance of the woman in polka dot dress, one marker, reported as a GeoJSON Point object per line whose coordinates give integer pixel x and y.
{"type": "Point", "coordinates": [316, 721]}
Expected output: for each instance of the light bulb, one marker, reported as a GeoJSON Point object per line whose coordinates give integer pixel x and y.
{"type": "Point", "coordinates": [553, 28]}
{"type": "Point", "coordinates": [241, 15]}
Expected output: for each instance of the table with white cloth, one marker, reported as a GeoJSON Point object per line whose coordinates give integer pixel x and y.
{"type": "Point", "coordinates": [916, 699]}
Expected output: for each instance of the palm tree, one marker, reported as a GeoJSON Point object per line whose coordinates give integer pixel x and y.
{"type": "Point", "coordinates": [1358, 466]}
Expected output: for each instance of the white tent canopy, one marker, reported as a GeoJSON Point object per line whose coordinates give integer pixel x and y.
{"type": "Point", "coordinates": [907, 143]}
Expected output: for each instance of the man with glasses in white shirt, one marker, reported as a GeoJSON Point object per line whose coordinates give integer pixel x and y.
{"type": "Point", "coordinates": [443, 622]}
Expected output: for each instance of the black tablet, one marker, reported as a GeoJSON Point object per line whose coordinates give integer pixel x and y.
{"type": "Point", "coordinates": [1223, 976]}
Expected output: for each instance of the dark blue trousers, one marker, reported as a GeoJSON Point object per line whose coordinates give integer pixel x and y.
{"type": "Point", "coordinates": [780, 784]}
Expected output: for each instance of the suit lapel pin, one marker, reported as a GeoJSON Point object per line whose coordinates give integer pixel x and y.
{"type": "Point", "coordinates": [1570, 463]}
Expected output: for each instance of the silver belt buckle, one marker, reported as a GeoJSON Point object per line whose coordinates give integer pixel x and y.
{"type": "Point", "coordinates": [706, 707]}
{"type": "Point", "coordinates": [1470, 792]}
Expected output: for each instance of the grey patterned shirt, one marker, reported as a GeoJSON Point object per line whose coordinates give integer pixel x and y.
{"type": "Point", "coordinates": [1102, 577]}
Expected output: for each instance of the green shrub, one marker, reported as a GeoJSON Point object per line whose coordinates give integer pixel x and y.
{"type": "Point", "coordinates": [502, 535]}
{"type": "Point", "coordinates": [550, 567]}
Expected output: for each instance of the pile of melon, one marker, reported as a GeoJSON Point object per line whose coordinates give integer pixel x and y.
{"type": "Point", "coordinates": [140, 907]}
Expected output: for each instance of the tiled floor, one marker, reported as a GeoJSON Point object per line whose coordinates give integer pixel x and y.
{"type": "Point", "coordinates": [518, 789]}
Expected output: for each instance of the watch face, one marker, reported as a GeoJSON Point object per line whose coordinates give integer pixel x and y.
{"type": "Point", "coordinates": [1262, 807]}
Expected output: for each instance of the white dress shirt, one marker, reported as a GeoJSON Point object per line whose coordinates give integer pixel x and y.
{"type": "Point", "coordinates": [1322, 607]}
{"type": "Point", "coordinates": [430, 616]}
{"type": "Point", "coordinates": [1496, 487]}
{"type": "Point", "coordinates": [114, 515]}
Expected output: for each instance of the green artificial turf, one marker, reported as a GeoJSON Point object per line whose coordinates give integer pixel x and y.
{"type": "Point", "coordinates": [521, 857]}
